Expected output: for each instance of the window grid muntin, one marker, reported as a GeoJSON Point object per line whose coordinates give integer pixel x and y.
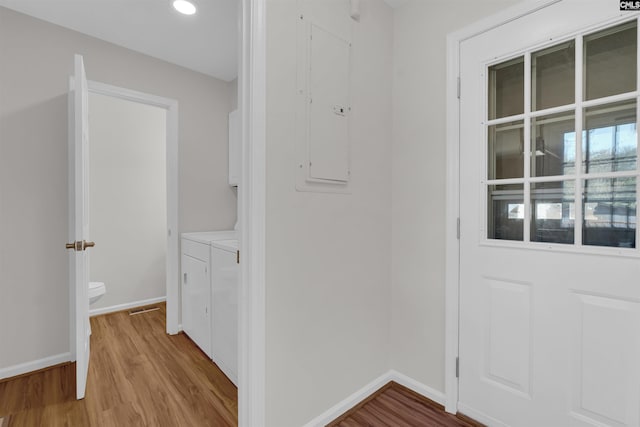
{"type": "Point", "coordinates": [526, 235]}
{"type": "Point", "coordinates": [578, 108]}
{"type": "Point", "coordinates": [566, 108]}
{"type": "Point", "coordinates": [579, 103]}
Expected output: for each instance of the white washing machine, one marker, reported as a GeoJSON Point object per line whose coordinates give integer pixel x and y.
{"type": "Point", "coordinates": [224, 280]}
{"type": "Point", "coordinates": [210, 296]}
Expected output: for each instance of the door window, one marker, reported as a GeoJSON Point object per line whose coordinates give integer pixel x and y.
{"type": "Point", "coordinates": [537, 103]}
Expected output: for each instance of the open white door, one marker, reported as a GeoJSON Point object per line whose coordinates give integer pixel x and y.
{"type": "Point", "coordinates": [79, 223]}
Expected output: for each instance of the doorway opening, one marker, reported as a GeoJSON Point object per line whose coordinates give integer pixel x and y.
{"type": "Point", "coordinates": [127, 202]}
{"type": "Point", "coordinates": [134, 198]}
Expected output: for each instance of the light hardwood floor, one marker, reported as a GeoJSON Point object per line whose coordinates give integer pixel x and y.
{"type": "Point", "coordinates": [138, 376]}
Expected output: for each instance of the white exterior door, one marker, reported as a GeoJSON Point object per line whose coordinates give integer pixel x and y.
{"type": "Point", "coordinates": [549, 264]}
{"type": "Point", "coordinates": [79, 223]}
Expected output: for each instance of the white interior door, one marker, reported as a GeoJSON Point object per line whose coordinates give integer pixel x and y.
{"type": "Point", "coordinates": [549, 295]}
{"type": "Point", "coordinates": [79, 223]}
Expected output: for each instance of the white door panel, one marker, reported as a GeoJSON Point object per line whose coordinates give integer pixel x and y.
{"type": "Point", "coordinates": [605, 334]}
{"type": "Point", "coordinates": [549, 333]}
{"type": "Point", "coordinates": [79, 222]}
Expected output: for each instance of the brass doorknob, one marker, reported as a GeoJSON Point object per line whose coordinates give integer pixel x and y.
{"type": "Point", "coordinates": [80, 246]}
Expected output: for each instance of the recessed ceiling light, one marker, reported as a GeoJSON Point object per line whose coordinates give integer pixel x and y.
{"type": "Point", "coordinates": [185, 7]}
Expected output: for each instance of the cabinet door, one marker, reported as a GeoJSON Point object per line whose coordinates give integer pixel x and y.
{"type": "Point", "coordinates": [235, 146]}
{"type": "Point", "coordinates": [225, 312]}
{"type": "Point", "coordinates": [196, 297]}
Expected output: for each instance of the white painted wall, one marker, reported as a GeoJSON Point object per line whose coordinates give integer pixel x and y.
{"type": "Point", "coordinates": [127, 199]}
{"type": "Point", "coordinates": [36, 59]}
{"type": "Point", "coordinates": [328, 270]}
{"type": "Point", "coordinates": [418, 248]}
{"type": "Point", "coordinates": [234, 94]}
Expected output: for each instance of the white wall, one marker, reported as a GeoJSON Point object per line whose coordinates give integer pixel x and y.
{"type": "Point", "coordinates": [418, 249]}
{"type": "Point", "coordinates": [127, 199]}
{"type": "Point", "coordinates": [328, 270]}
{"type": "Point", "coordinates": [234, 94]}
{"type": "Point", "coordinates": [36, 60]}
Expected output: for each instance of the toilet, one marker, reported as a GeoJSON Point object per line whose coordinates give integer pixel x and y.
{"type": "Point", "coordinates": [96, 290]}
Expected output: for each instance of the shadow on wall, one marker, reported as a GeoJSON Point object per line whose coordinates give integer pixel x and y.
{"type": "Point", "coordinates": [33, 217]}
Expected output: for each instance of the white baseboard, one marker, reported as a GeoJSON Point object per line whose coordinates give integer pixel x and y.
{"type": "Point", "coordinates": [120, 307]}
{"type": "Point", "coordinates": [366, 391]}
{"type": "Point", "coordinates": [25, 368]}
{"type": "Point", "coordinates": [348, 403]}
{"type": "Point", "coordinates": [418, 387]}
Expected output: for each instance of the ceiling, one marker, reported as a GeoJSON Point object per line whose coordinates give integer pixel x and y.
{"type": "Point", "coordinates": [205, 42]}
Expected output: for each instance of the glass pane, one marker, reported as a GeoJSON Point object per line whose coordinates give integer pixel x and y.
{"type": "Point", "coordinates": [610, 61]}
{"type": "Point", "coordinates": [506, 212]}
{"type": "Point", "coordinates": [609, 212]}
{"type": "Point", "coordinates": [553, 145]}
{"type": "Point", "coordinates": [553, 211]}
{"type": "Point", "coordinates": [553, 76]}
{"type": "Point", "coordinates": [506, 88]}
{"type": "Point", "coordinates": [609, 142]}
{"type": "Point", "coordinates": [506, 150]}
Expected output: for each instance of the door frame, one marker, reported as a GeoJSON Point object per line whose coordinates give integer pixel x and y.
{"type": "Point", "coordinates": [452, 242]}
{"type": "Point", "coordinates": [252, 215]}
{"type": "Point", "coordinates": [171, 141]}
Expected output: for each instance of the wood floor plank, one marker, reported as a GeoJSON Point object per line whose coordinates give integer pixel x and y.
{"type": "Point", "coordinates": [138, 376]}
{"type": "Point", "coordinates": [365, 417]}
{"type": "Point", "coordinates": [408, 414]}
{"type": "Point", "coordinates": [349, 422]}
{"type": "Point", "coordinates": [396, 406]}
{"type": "Point", "coordinates": [424, 411]}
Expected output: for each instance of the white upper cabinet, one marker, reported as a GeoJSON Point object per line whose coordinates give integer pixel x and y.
{"type": "Point", "coordinates": [235, 146]}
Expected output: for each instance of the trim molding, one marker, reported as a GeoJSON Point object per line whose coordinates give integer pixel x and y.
{"type": "Point", "coordinates": [350, 401]}
{"type": "Point", "coordinates": [252, 216]}
{"type": "Point", "coordinates": [452, 244]}
{"type": "Point", "coordinates": [422, 389]}
{"type": "Point", "coordinates": [127, 306]}
{"type": "Point", "coordinates": [357, 397]}
{"type": "Point", "coordinates": [35, 365]}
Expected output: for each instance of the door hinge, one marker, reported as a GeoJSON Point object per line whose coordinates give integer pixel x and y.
{"type": "Point", "coordinates": [458, 228]}
{"type": "Point", "coordinates": [458, 88]}
{"type": "Point", "coordinates": [237, 257]}
{"type": "Point", "coordinates": [184, 278]}
{"type": "Point", "coordinates": [457, 367]}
